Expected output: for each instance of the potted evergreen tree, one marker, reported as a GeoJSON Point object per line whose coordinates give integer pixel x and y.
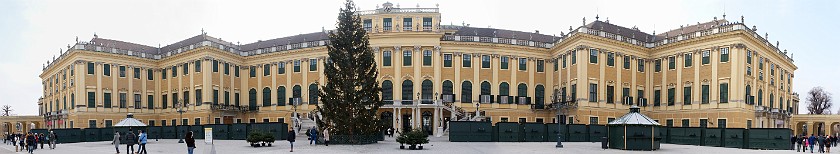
{"type": "Point", "coordinates": [415, 139]}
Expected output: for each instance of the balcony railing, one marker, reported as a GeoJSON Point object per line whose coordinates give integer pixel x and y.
{"type": "Point", "coordinates": [222, 107]}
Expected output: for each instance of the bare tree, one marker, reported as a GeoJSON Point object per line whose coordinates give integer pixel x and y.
{"type": "Point", "coordinates": [6, 110]}
{"type": "Point", "coordinates": [819, 101]}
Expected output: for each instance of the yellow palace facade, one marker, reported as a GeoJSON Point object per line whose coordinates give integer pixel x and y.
{"type": "Point", "coordinates": [713, 74]}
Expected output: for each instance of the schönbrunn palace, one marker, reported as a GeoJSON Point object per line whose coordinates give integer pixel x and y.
{"type": "Point", "coordinates": [714, 74]}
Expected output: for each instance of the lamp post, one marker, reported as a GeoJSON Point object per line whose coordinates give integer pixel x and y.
{"type": "Point", "coordinates": [181, 117]}
{"type": "Point", "coordinates": [556, 101]}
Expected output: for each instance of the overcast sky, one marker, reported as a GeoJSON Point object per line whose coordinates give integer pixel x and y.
{"type": "Point", "coordinates": [33, 31]}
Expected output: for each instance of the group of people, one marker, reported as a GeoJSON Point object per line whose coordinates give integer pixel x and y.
{"type": "Point", "coordinates": [312, 135]}
{"type": "Point", "coordinates": [29, 142]}
{"type": "Point", "coordinates": [130, 140]}
{"type": "Point", "coordinates": [822, 142]}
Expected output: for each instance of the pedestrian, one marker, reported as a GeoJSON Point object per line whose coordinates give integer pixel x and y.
{"type": "Point", "coordinates": [828, 144]}
{"type": "Point", "coordinates": [792, 142]}
{"type": "Point", "coordinates": [116, 141]}
{"type": "Point", "coordinates": [142, 148]}
{"type": "Point", "coordinates": [190, 142]}
{"type": "Point", "coordinates": [798, 143]}
{"type": "Point", "coordinates": [22, 142]}
{"type": "Point", "coordinates": [291, 138]}
{"type": "Point", "coordinates": [30, 142]}
{"type": "Point", "coordinates": [811, 141]}
{"type": "Point", "coordinates": [821, 143]}
{"type": "Point", "coordinates": [130, 139]}
{"type": "Point", "coordinates": [41, 140]}
{"type": "Point", "coordinates": [314, 136]}
{"type": "Point", "coordinates": [326, 136]}
{"type": "Point", "coordinates": [53, 139]}
{"type": "Point", "coordinates": [390, 132]}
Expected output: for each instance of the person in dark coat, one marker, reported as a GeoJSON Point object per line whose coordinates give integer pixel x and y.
{"type": "Point", "coordinates": [30, 142]}
{"type": "Point", "coordinates": [812, 140]}
{"type": "Point", "coordinates": [291, 139]}
{"type": "Point", "coordinates": [821, 143]}
{"type": "Point", "coordinates": [190, 142]}
{"type": "Point", "coordinates": [798, 143]}
{"type": "Point", "coordinates": [130, 140]}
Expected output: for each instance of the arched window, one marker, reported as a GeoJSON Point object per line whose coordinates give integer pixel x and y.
{"type": "Point", "coordinates": [313, 93]}
{"type": "Point", "coordinates": [771, 100]}
{"type": "Point", "coordinates": [447, 87]}
{"type": "Point", "coordinates": [539, 94]}
{"type": "Point", "coordinates": [522, 91]}
{"type": "Point", "coordinates": [748, 94]}
{"type": "Point", "coordinates": [485, 91]}
{"type": "Point", "coordinates": [466, 92]}
{"type": "Point", "coordinates": [296, 94]}
{"type": "Point", "coordinates": [266, 96]}
{"type": "Point", "coordinates": [407, 90]}
{"type": "Point", "coordinates": [759, 97]}
{"type": "Point", "coordinates": [426, 91]}
{"type": "Point", "coordinates": [281, 95]}
{"type": "Point", "coordinates": [387, 92]}
{"type": "Point", "coordinates": [504, 93]}
{"type": "Point", "coordinates": [252, 99]}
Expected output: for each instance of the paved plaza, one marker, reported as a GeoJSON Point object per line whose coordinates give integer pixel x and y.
{"type": "Point", "coordinates": [389, 146]}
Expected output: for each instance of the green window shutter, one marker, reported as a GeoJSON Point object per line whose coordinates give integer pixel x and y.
{"type": "Point", "coordinates": [705, 94]}
{"type": "Point", "coordinates": [91, 102]}
{"type": "Point", "coordinates": [610, 94]}
{"type": "Point", "coordinates": [574, 57]}
{"type": "Point", "coordinates": [150, 101]}
{"type": "Point", "coordinates": [687, 95]}
{"type": "Point", "coordinates": [724, 93]}
{"type": "Point", "coordinates": [657, 97]}
{"type": "Point", "coordinates": [671, 93]}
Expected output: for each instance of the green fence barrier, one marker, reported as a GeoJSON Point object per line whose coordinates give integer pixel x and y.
{"type": "Point", "coordinates": [92, 134]}
{"type": "Point", "coordinates": [554, 130]}
{"type": "Point", "coordinates": [73, 135]}
{"type": "Point", "coordinates": [279, 130]}
{"type": "Point", "coordinates": [713, 137]}
{"type": "Point", "coordinates": [198, 131]}
{"type": "Point", "coordinates": [459, 131]}
{"type": "Point", "coordinates": [181, 131]}
{"type": "Point", "coordinates": [481, 132]}
{"type": "Point", "coordinates": [220, 131]}
{"type": "Point", "coordinates": [686, 135]}
{"type": "Point", "coordinates": [169, 132]}
{"type": "Point", "coordinates": [106, 134]}
{"type": "Point", "coordinates": [769, 138]}
{"type": "Point", "coordinates": [509, 131]}
{"type": "Point", "coordinates": [238, 131]}
{"type": "Point", "coordinates": [596, 132]}
{"type": "Point", "coordinates": [733, 137]}
{"type": "Point", "coordinates": [577, 133]}
{"type": "Point", "coordinates": [534, 132]}
{"type": "Point", "coordinates": [154, 132]}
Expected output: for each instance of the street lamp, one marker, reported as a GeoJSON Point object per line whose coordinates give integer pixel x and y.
{"type": "Point", "coordinates": [181, 116]}
{"type": "Point", "coordinates": [556, 101]}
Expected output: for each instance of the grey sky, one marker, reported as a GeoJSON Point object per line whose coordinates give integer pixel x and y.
{"type": "Point", "coordinates": [31, 32]}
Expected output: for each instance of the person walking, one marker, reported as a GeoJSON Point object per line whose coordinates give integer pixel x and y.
{"type": "Point", "coordinates": [828, 144]}
{"type": "Point", "coordinates": [792, 142]}
{"type": "Point", "coordinates": [41, 140]}
{"type": "Point", "coordinates": [314, 136]}
{"type": "Point", "coordinates": [811, 141]}
{"type": "Point", "coordinates": [798, 143]}
{"type": "Point", "coordinates": [30, 142]}
{"type": "Point", "coordinates": [190, 142]}
{"type": "Point", "coordinates": [821, 143]}
{"type": "Point", "coordinates": [142, 148]}
{"type": "Point", "coordinates": [130, 140]}
{"type": "Point", "coordinates": [326, 137]}
{"type": "Point", "coordinates": [291, 139]}
{"type": "Point", "coordinates": [53, 138]}
{"type": "Point", "coordinates": [116, 141]}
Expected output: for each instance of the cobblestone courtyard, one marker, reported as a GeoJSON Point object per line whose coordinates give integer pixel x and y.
{"type": "Point", "coordinates": [389, 146]}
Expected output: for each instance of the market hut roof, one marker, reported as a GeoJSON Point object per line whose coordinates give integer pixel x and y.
{"type": "Point", "coordinates": [634, 118]}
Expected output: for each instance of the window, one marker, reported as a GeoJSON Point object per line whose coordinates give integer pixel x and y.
{"type": "Point", "coordinates": [174, 71]}
{"type": "Point", "coordinates": [198, 66]}
{"type": "Point", "coordinates": [368, 24]}
{"type": "Point", "coordinates": [198, 97]}
{"type": "Point", "coordinates": [137, 73]}
{"type": "Point", "coordinates": [91, 123]}
{"type": "Point", "coordinates": [671, 93]}
{"type": "Point", "coordinates": [427, 24]}
{"type": "Point", "coordinates": [749, 57]}
{"type": "Point", "coordinates": [427, 58]}
{"type": "Point", "coordinates": [407, 91]}
{"type": "Point", "coordinates": [573, 92]}
{"type": "Point", "coordinates": [150, 74]}
{"type": "Point", "coordinates": [704, 94]}
{"type": "Point", "coordinates": [671, 63]}
{"type": "Point", "coordinates": [722, 123]}
{"type": "Point", "coordinates": [407, 58]}
{"type": "Point", "coordinates": [625, 93]}
{"type": "Point", "coordinates": [386, 24]}
{"type": "Point", "coordinates": [574, 57]}
{"type": "Point", "coordinates": [197, 121]}
{"type": "Point", "coordinates": [641, 64]}
{"type": "Point", "coordinates": [724, 54]}
{"type": "Point", "coordinates": [669, 122]}
{"type": "Point", "coordinates": [227, 98]}
{"type": "Point", "coordinates": [564, 61]}
{"type": "Point", "coordinates": [215, 97]}
{"type": "Point", "coordinates": [523, 64]}
{"type": "Point", "coordinates": [90, 68]}
{"type": "Point", "coordinates": [137, 100]}
{"type": "Point", "coordinates": [236, 99]}
{"type": "Point", "coordinates": [704, 123]}
{"type": "Point", "coordinates": [610, 59]}
{"type": "Point", "coordinates": [407, 24]}
{"type": "Point", "coordinates": [313, 93]}
{"type": "Point", "coordinates": [540, 65]}
{"type": "Point", "coordinates": [447, 60]}
{"type": "Point", "coordinates": [186, 98]}
{"type": "Point", "coordinates": [227, 68]}
{"type": "Point", "coordinates": [91, 102]}
{"type": "Point", "coordinates": [186, 68]}
{"type": "Point", "coordinates": [555, 64]}
{"type": "Point", "coordinates": [626, 62]}
{"type": "Point", "coordinates": [215, 66]}
{"type": "Point", "coordinates": [593, 120]}
{"type": "Point", "coordinates": [466, 60]}
{"type": "Point", "coordinates": [466, 92]}
{"type": "Point", "coordinates": [610, 94]}
{"type": "Point", "coordinates": [236, 71]}
{"type": "Point", "coordinates": [123, 100]}
{"type": "Point", "coordinates": [266, 69]}
{"type": "Point", "coordinates": [122, 71]}
{"type": "Point", "coordinates": [687, 95]}
{"type": "Point", "coordinates": [657, 97]}
{"type": "Point", "coordinates": [640, 94]}
{"type": "Point", "coordinates": [593, 56]}
{"type": "Point", "coordinates": [252, 72]}
{"type": "Point", "coordinates": [388, 92]}
{"type": "Point", "coordinates": [150, 101]}
{"type": "Point", "coordinates": [687, 60]}
{"type": "Point", "coordinates": [164, 102]}
{"type": "Point", "coordinates": [749, 70]}
{"type": "Point", "coordinates": [657, 65]}
{"type": "Point", "coordinates": [297, 66]}
{"type": "Point", "coordinates": [504, 62]}
{"type": "Point", "coordinates": [313, 65]}
{"type": "Point", "coordinates": [685, 123]}
{"type": "Point", "coordinates": [485, 61]}
{"type": "Point", "coordinates": [593, 92]}
{"type": "Point", "coordinates": [386, 58]}
{"type": "Point", "coordinates": [266, 96]}
{"type": "Point", "coordinates": [706, 56]}
{"type": "Point", "coordinates": [106, 69]}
